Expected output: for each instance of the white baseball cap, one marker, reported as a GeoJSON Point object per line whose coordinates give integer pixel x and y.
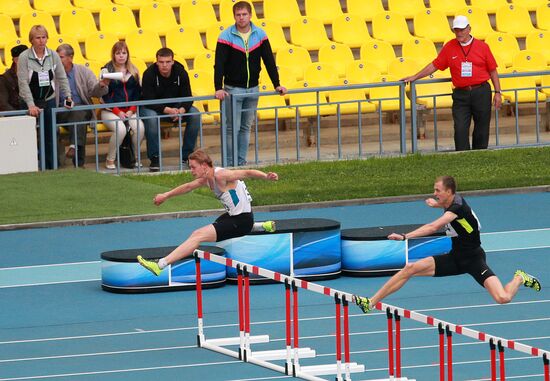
{"type": "Point", "coordinates": [460, 22]}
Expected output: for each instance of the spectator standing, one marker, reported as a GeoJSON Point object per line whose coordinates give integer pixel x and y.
{"type": "Point", "coordinates": [37, 69]}
{"type": "Point", "coordinates": [471, 64]}
{"type": "Point", "coordinates": [126, 90]}
{"type": "Point", "coordinates": [239, 52]}
{"type": "Point", "coordinates": [168, 79]}
{"type": "Point", "coordinates": [84, 85]}
{"type": "Point", "coordinates": [9, 88]}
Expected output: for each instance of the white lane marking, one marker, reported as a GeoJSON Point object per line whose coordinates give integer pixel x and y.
{"type": "Point", "coordinates": [51, 283]}
{"type": "Point", "coordinates": [50, 265]}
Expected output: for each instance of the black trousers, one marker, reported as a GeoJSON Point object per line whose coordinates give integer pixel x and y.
{"type": "Point", "coordinates": [468, 104]}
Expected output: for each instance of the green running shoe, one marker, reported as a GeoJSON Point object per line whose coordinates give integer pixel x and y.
{"type": "Point", "coordinates": [269, 226]}
{"type": "Point", "coordinates": [529, 280]}
{"type": "Point", "coordinates": [151, 265]}
{"type": "Point", "coordinates": [363, 303]}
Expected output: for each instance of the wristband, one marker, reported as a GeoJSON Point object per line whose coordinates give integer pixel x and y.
{"type": "Point", "coordinates": [404, 237]}
{"type": "Point", "coordinates": [498, 92]}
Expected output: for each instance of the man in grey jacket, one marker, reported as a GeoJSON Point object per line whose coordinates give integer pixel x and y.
{"type": "Point", "coordinates": [84, 85]}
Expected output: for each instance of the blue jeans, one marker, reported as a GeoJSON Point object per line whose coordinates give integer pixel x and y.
{"type": "Point", "coordinates": [192, 125]}
{"type": "Point", "coordinates": [243, 121]}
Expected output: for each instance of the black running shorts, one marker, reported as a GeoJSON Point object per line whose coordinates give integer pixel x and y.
{"type": "Point", "coordinates": [471, 262]}
{"type": "Point", "coordinates": [233, 226]}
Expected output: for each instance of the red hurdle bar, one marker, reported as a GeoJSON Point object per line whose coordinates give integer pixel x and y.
{"type": "Point", "coordinates": [241, 310]}
{"type": "Point", "coordinates": [296, 363]}
{"type": "Point", "coordinates": [441, 332]}
{"type": "Point", "coordinates": [546, 362]}
{"type": "Point", "coordinates": [200, 336]}
{"type": "Point", "coordinates": [501, 360]}
{"type": "Point", "coordinates": [397, 344]}
{"type": "Point", "coordinates": [449, 354]}
{"type": "Point", "coordinates": [338, 339]}
{"type": "Point", "coordinates": [246, 312]}
{"type": "Point", "coordinates": [288, 319]}
{"type": "Point", "coordinates": [389, 317]}
{"type": "Point", "coordinates": [346, 337]}
{"type": "Point", "coordinates": [493, 349]}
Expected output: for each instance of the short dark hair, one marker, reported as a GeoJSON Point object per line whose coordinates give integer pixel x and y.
{"type": "Point", "coordinates": [165, 52]}
{"type": "Point", "coordinates": [242, 5]}
{"type": "Point", "coordinates": [448, 182]}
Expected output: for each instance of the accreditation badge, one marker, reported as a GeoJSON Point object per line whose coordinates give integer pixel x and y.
{"type": "Point", "coordinates": [43, 79]}
{"type": "Point", "coordinates": [466, 69]}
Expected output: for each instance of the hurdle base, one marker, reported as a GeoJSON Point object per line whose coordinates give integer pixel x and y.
{"type": "Point", "coordinates": [281, 354]}
{"type": "Point", "coordinates": [319, 370]}
{"type": "Point", "coordinates": [237, 340]}
{"type": "Point", "coordinates": [391, 379]}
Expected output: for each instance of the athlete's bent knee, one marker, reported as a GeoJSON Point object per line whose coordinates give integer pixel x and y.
{"type": "Point", "coordinates": [502, 298]}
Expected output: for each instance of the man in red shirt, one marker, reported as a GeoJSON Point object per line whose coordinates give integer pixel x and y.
{"type": "Point", "coordinates": [471, 64]}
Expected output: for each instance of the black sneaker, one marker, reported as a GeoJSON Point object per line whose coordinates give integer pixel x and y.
{"type": "Point", "coordinates": [185, 165]}
{"type": "Point", "coordinates": [155, 164]}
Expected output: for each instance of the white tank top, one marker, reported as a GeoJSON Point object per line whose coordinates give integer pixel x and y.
{"type": "Point", "coordinates": [235, 201]}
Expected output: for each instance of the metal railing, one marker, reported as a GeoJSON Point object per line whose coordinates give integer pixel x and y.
{"type": "Point", "coordinates": [336, 117]}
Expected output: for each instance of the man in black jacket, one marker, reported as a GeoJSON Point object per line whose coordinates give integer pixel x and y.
{"type": "Point", "coordinates": [168, 79]}
{"type": "Point", "coordinates": [9, 88]}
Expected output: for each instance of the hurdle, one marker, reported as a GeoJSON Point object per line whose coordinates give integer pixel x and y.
{"type": "Point", "coordinates": [445, 333]}
{"type": "Point", "coordinates": [342, 368]}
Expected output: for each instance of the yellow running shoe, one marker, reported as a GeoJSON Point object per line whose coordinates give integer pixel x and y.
{"type": "Point", "coordinates": [269, 226]}
{"type": "Point", "coordinates": [529, 280]}
{"type": "Point", "coordinates": [151, 265]}
{"type": "Point", "coordinates": [363, 303]}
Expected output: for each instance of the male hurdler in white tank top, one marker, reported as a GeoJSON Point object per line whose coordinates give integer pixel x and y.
{"type": "Point", "coordinates": [230, 189]}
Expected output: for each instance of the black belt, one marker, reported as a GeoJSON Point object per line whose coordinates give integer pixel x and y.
{"type": "Point", "coordinates": [471, 87]}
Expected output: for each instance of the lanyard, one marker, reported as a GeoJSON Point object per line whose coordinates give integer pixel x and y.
{"type": "Point", "coordinates": [469, 50]}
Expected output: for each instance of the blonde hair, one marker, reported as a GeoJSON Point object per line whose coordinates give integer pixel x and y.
{"type": "Point", "coordinates": [201, 157]}
{"type": "Point", "coordinates": [35, 30]}
{"type": "Point", "coordinates": [119, 46]}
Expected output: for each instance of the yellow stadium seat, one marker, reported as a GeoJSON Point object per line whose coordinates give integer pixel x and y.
{"type": "Point", "coordinates": [515, 20]}
{"type": "Point", "coordinates": [206, 118]}
{"type": "Point", "coordinates": [270, 103]}
{"type": "Point", "coordinates": [479, 21]}
{"type": "Point", "coordinates": [198, 14]}
{"type": "Point", "coordinates": [530, 5]}
{"type": "Point", "coordinates": [322, 73]}
{"type": "Point", "coordinates": [143, 44]}
{"type": "Point", "coordinates": [93, 6]}
{"type": "Point", "coordinates": [204, 61]}
{"type": "Point", "coordinates": [308, 33]}
{"type": "Point", "coordinates": [540, 42]}
{"type": "Point", "coordinates": [140, 64]}
{"type": "Point", "coordinates": [53, 7]}
{"type": "Point", "coordinates": [449, 8]}
{"type": "Point", "coordinates": [427, 90]}
{"type": "Point", "coordinates": [350, 30]}
{"type": "Point", "coordinates": [77, 22]}
{"type": "Point", "coordinates": [27, 21]}
{"type": "Point", "coordinates": [181, 60]}
{"type": "Point", "coordinates": [529, 60]}
{"type": "Point", "coordinates": [118, 20]}
{"type": "Point", "coordinates": [508, 85]}
{"type": "Point", "coordinates": [286, 75]}
{"type": "Point", "coordinates": [376, 95]}
{"type": "Point", "coordinates": [158, 17]}
{"type": "Point", "coordinates": [7, 32]}
{"type": "Point", "coordinates": [132, 4]}
{"type": "Point", "coordinates": [361, 72]}
{"type": "Point", "coordinates": [421, 50]}
{"type": "Point", "coordinates": [406, 8]}
{"type": "Point", "coordinates": [432, 24]}
{"type": "Point", "coordinates": [501, 65]}
{"type": "Point", "coordinates": [98, 46]}
{"type": "Point", "coordinates": [275, 34]}
{"type": "Point", "coordinates": [403, 67]}
{"type": "Point", "coordinates": [391, 27]}
{"type": "Point", "coordinates": [15, 8]}
{"type": "Point", "coordinates": [337, 55]}
{"type": "Point", "coordinates": [349, 101]}
{"type": "Point", "coordinates": [504, 45]}
{"type": "Point", "coordinates": [543, 16]}
{"type": "Point", "coordinates": [490, 6]}
{"type": "Point", "coordinates": [202, 84]}
{"type": "Point", "coordinates": [282, 11]}
{"type": "Point", "coordinates": [94, 66]}
{"type": "Point", "coordinates": [379, 53]}
{"type": "Point", "coordinates": [185, 42]}
{"type": "Point", "coordinates": [306, 103]}
{"type": "Point", "coordinates": [323, 10]}
{"type": "Point", "coordinates": [53, 43]}
{"type": "Point", "coordinates": [212, 34]}
{"type": "Point", "coordinates": [173, 3]}
{"type": "Point", "coordinates": [546, 86]}
{"type": "Point", "coordinates": [365, 8]}
{"type": "Point", "coordinates": [294, 57]}
{"type": "Point", "coordinates": [226, 11]}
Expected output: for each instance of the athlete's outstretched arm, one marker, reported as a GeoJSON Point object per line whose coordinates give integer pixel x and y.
{"type": "Point", "coordinates": [240, 174]}
{"type": "Point", "coordinates": [181, 189]}
{"type": "Point", "coordinates": [426, 230]}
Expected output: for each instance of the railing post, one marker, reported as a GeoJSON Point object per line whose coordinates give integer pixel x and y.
{"type": "Point", "coordinates": [403, 119]}
{"type": "Point", "coordinates": [414, 118]}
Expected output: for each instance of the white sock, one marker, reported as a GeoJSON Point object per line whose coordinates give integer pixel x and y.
{"type": "Point", "coordinates": [257, 227]}
{"type": "Point", "coordinates": [162, 263]}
